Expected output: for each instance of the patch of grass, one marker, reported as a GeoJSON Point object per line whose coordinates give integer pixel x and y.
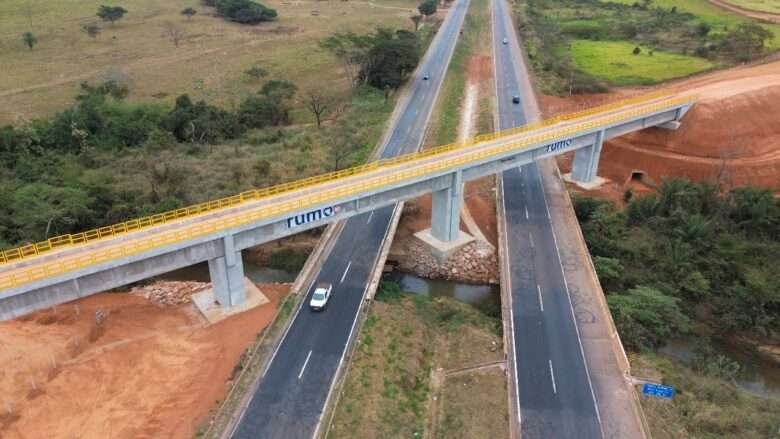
{"type": "Point", "coordinates": [388, 391]}
{"type": "Point", "coordinates": [615, 62]}
{"type": "Point", "coordinates": [703, 406]}
{"type": "Point", "coordinates": [209, 63]}
{"type": "Point", "coordinates": [452, 90]}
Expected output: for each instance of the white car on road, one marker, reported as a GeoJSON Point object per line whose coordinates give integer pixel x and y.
{"type": "Point", "coordinates": [319, 300]}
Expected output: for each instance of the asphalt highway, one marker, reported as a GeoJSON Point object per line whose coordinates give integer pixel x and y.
{"type": "Point", "coordinates": [555, 395]}
{"type": "Point", "coordinates": [292, 394]}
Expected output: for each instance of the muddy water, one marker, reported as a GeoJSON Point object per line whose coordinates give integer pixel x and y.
{"type": "Point", "coordinates": [759, 375]}
{"type": "Point", "coordinates": [482, 296]}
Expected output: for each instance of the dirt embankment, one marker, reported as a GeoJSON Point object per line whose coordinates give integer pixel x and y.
{"type": "Point", "coordinates": [730, 137]}
{"type": "Point", "coordinates": [144, 371]}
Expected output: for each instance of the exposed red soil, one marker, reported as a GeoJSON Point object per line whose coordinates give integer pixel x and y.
{"type": "Point", "coordinates": [731, 136]}
{"type": "Point", "coordinates": [144, 372]}
{"type": "Point", "coordinates": [479, 68]}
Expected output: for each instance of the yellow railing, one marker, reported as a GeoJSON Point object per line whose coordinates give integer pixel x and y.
{"type": "Point", "coordinates": [396, 172]}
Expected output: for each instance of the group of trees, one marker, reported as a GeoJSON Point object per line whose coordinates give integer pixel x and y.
{"type": "Point", "coordinates": [242, 11]}
{"type": "Point", "coordinates": [547, 35]}
{"type": "Point", "coordinates": [382, 60]}
{"type": "Point", "coordinates": [687, 251]}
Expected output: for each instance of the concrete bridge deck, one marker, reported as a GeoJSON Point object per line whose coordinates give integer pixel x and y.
{"type": "Point", "coordinates": [72, 271]}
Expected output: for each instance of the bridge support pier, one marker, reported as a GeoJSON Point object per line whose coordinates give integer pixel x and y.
{"type": "Point", "coordinates": [445, 237]}
{"type": "Point", "coordinates": [586, 161]}
{"type": "Point", "coordinates": [227, 275]}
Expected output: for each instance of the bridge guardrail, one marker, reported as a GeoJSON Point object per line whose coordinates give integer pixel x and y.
{"type": "Point", "coordinates": [54, 243]}
{"type": "Point", "coordinates": [73, 262]}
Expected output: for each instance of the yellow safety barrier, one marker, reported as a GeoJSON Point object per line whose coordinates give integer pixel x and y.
{"type": "Point", "coordinates": [395, 173]}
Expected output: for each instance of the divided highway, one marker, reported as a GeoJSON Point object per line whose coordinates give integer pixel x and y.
{"type": "Point", "coordinates": [291, 396]}
{"type": "Point", "coordinates": [554, 391]}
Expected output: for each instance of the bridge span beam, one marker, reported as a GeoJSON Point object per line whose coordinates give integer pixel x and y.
{"type": "Point", "coordinates": [227, 275]}
{"type": "Point", "coordinates": [445, 237]}
{"type": "Point", "coordinates": [586, 160]}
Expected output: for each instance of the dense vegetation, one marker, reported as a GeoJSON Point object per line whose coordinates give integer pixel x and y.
{"type": "Point", "coordinates": [551, 29]}
{"type": "Point", "coordinates": [687, 253]}
{"type": "Point", "coordinates": [242, 11]}
{"type": "Point", "coordinates": [105, 160]}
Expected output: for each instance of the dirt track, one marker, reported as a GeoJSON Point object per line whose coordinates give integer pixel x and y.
{"type": "Point", "coordinates": [145, 372]}
{"type": "Point", "coordinates": [758, 15]}
{"type": "Point", "coordinates": [730, 137]}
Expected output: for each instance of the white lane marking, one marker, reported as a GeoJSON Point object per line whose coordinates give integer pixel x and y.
{"type": "Point", "coordinates": [526, 213]}
{"type": "Point", "coordinates": [304, 365]}
{"type": "Point", "coordinates": [552, 377]}
{"type": "Point", "coordinates": [531, 237]}
{"type": "Point", "coordinates": [541, 302]}
{"type": "Point", "coordinates": [349, 264]}
{"type": "Point", "coordinates": [512, 328]}
{"type": "Point", "coordinates": [369, 216]}
{"type": "Point", "coordinates": [571, 307]}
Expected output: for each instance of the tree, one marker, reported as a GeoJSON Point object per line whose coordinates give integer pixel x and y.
{"type": "Point", "coordinates": [351, 49]}
{"type": "Point", "coordinates": [29, 40]}
{"type": "Point", "coordinates": [427, 8]}
{"type": "Point", "coordinates": [41, 210]}
{"type": "Point", "coordinates": [111, 13]}
{"type": "Point", "coordinates": [391, 57]}
{"type": "Point", "coordinates": [747, 40]}
{"type": "Point", "coordinates": [318, 104]}
{"type": "Point", "coordinates": [173, 33]}
{"type": "Point", "coordinates": [244, 11]}
{"type": "Point", "coordinates": [256, 72]}
{"type": "Point", "coordinates": [645, 317]}
{"type": "Point", "coordinates": [188, 12]}
{"type": "Point", "coordinates": [416, 20]}
{"type": "Point", "coordinates": [343, 143]}
{"type": "Point", "coordinates": [92, 30]}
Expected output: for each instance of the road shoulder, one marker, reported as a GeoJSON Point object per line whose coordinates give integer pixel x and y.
{"type": "Point", "coordinates": [609, 369]}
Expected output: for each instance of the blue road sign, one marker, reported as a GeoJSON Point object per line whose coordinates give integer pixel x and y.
{"type": "Point", "coordinates": [658, 390]}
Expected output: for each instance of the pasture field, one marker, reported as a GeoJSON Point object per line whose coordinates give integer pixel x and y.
{"type": "Point", "coordinates": [209, 62]}
{"type": "Point", "coordinates": [615, 62]}
{"type": "Point", "coordinates": [719, 19]}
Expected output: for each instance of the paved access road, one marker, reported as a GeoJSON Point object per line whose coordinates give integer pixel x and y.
{"type": "Point", "coordinates": [291, 396]}
{"type": "Point", "coordinates": [555, 394]}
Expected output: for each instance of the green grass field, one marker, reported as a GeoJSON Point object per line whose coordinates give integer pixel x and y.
{"type": "Point", "coordinates": [209, 62]}
{"type": "Point", "coordinates": [614, 62]}
{"type": "Point", "coordinates": [772, 6]}
{"type": "Point", "coordinates": [719, 19]}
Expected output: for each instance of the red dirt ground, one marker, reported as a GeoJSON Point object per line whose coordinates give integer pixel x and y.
{"type": "Point", "coordinates": [145, 372]}
{"type": "Point", "coordinates": [731, 136]}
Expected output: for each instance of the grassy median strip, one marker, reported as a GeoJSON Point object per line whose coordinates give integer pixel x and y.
{"type": "Point", "coordinates": [406, 378]}
{"type": "Point", "coordinates": [476, 28]}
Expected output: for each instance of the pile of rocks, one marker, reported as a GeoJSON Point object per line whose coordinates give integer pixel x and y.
{"type": "Point", "coordinates": [166, 293]}
{"type": "Point", "coordinates": [472, 264]}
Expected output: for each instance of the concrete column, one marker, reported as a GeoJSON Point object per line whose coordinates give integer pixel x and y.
{"type": "Point", "coordinates": [445, 237]}
{"type": "Point", "coordinates": [227, 276]}
{"type": "Point", "coordinates": [445, 210]}
{"type": "Point", "coordinates": [586, 161]}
